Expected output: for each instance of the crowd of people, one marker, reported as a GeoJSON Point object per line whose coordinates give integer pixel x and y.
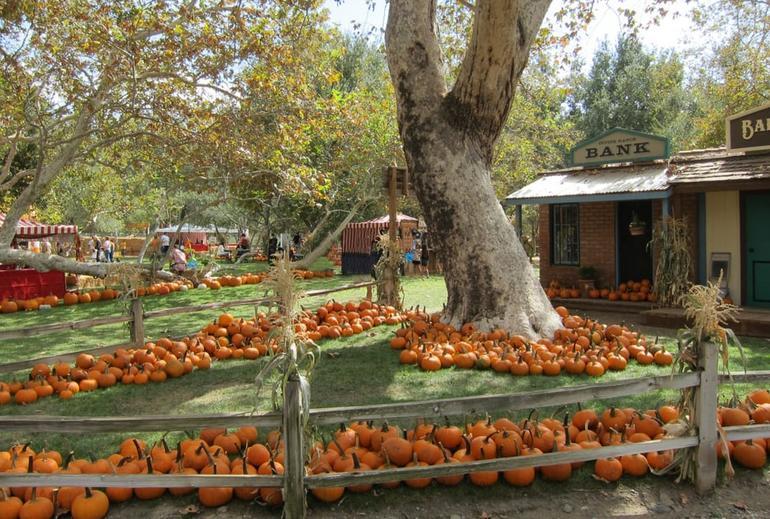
{"type": "Point", "coordinates": [419, 259]}
{"type": "Point", "coordinates": [101, 250]}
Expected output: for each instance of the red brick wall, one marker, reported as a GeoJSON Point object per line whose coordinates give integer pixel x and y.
{"type": "Point", "coordinates": [597, 239]}
{"type": "Point", "coordinates": [597, 245]}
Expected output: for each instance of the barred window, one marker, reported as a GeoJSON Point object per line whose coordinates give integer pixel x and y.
{"type": "Point", "coordinates": [565, 234]}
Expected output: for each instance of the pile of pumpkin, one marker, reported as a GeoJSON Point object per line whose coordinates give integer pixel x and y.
{"type": "Point", "coordinates": [755, 409]}
{"type": "Point", "coordinates": [582, 346]}
{"type": "Point", "coordinates": [225, 338]}
{"type": "Point", "coordinates": [362, 447]}
{"type": "Point", "coordinates": [73, 298]}
{"type": "Point", "coordinates": [634, 291]}
{"type": "Point", "coordinates": [215, 451]}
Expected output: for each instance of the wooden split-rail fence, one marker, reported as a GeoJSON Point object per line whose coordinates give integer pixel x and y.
{"type": "Point", "coordinates": [295, 482]}
{"type": "Point", "coordinates": [136, 318]}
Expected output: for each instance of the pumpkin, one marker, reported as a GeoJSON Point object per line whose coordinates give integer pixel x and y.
{"type": "Point", "coordinates": [8, 307]}
{"type": "Point", "coordinates": [608, 469]}
{"type": "Point", "coordinates": [750, 454]}
{"type": "Point", "coordinates": [36, 507]}
{"type": "Point", "coordinates": [271, 496]}
{"type": "Point", "coordinates": [93, 504]}
{"type": "Point", "coordinates": [9, 505]}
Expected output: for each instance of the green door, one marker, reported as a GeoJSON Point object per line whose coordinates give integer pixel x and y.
{"type": "Point", "coordinates": [757, 249]}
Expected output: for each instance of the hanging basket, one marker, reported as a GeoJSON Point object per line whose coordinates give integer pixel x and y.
{"type": "Point", "coordinates": [637, 229]}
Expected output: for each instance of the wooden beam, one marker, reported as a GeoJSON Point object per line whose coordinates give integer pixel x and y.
{"type": "Point", "coordinates": [138, 480]}
{"type": "Point", "coordinates": [499, 464]}
{"type": "Point", "coordinates": [64, 357]}
{"type": "Point", "coordinates": [432, 409]}
{"type": "Point", "coordinates": [744, 432]}
{"type": "Point", "coordinates": [294, 461]}
{"type": "Point", "coordinates": [56, 327]}
{"type": "Point", "coordinates": [706, 419]}
{"type": "Point", "coordinates": [90, 424]}
{"type": "Point", "coordinates": [137, 322]}
{"type": "Point", "coordinates": [749, 376]}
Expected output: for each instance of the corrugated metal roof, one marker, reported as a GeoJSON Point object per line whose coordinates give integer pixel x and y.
{"type": "Point", "coordinates": [716, 167]}
{"type": "Point", "coordinates": [602, 184]}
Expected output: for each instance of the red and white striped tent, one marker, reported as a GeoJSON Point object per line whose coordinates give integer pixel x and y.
{"type": "Point", "coordinates": [26, 229]}
{"type": "Point", "coordinates": [357, 237]}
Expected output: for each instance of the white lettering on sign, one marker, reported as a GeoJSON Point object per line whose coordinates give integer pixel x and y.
{"type": "Point", "coordinates": [618, 150]}
{"type": "Point", "coordinates": [750, 127]}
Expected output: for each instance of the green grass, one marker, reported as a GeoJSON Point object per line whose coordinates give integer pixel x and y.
{"type": "Point", "coordinates": [359, 370]}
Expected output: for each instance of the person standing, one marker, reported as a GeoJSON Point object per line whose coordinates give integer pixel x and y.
{"type": "Point", "coordinates": [425, 254]}
{"type": "Point", "coordinates": [107, 248]}
{"type": "Point", "coordinates": [94, 248]}
{"type": "Point", "coordinates": [272, 247]}
{"type": "Point", "coordinates": [165, 241]}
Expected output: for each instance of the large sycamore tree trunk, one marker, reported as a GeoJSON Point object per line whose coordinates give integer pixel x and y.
{"type": "Point", "coordinates": [448, 138]}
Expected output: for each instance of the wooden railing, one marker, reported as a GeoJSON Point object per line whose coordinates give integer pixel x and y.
{"type": "Point", "coordinates": [295, 483]}
{"type": "Point", "coordinates": [136, 317]}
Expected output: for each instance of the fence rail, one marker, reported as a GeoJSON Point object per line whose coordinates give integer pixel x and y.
{"type": "Point", "coordinates": [295, 482]}
{"type": "Point", "coordinates": [136, 319]}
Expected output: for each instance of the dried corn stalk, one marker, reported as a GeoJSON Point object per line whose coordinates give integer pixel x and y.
{"type": "Point", "coordinates": [671, 239]}
{"type": "Point", "coordinates": [709, 314]}
{"type": "Point", "coordinates": [388, 272]}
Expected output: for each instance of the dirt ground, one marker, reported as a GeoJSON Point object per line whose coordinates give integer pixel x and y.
{"type": "Point", "coordinates": [747, 496]}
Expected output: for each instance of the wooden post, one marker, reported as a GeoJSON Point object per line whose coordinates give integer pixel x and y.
{"type": "Point", "coordinates": [706, 419]}
{"type": "Point", "coordinates": [137, 324]}
{"type": "Point", "coordinates": [294, 469]}
{"type": "Point", "coordinates": [519, 223]}
{"type": "Point", "coordinates": [369, 292]}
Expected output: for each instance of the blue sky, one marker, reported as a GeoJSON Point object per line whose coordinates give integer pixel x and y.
{"type": "Point", "coordinates": [671, 33]}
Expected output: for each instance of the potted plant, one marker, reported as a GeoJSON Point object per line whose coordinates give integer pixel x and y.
{"type": "Point", "coordinates": [587, 277]}
{"type": "Point", "coordinates": [637, 227]}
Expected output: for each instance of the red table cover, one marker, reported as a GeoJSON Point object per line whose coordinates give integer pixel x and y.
{"type": "Point", "coordinates": [29, 283]}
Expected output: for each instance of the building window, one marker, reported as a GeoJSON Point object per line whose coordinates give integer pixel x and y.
{"type": "Point", "coordinates": [565, 234]}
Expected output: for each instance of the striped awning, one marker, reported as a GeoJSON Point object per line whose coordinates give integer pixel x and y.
{"type": "Point", "coordinates": [357, 237]}
{"type": "Point", "coordinates": [31, 229]}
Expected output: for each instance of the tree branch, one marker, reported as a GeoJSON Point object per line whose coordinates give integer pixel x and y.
{"type": "Point", "coordinates": [47, 262]}
{"type": "Point", "coordinates": [503, 32]}
{"type": "Point", "coordinates": [414, 56]}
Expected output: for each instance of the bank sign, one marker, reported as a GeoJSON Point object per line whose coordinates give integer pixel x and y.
{"type": "Point", "coordinates": [619, 145]}
{"type": "Point", "coordinates": [749, 130]}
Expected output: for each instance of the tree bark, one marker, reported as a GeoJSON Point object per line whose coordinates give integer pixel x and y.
{"type": "Point", "coordinates": [147, 241]}
{"type": "Point", "coordinates": [448, 141]}
{"type": "Point", "coordinates": [48, 262]}
{"type": "Point", "coordinates": [328, 240]}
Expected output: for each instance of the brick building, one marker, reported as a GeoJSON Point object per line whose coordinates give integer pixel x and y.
{"type": "Point", "coordinates": [602, 214]}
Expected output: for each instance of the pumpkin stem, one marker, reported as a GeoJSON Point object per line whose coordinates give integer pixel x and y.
{"type": "Point", "coordinates": [149, 465]}
{"type": "Point", "coordinates": [356, 462]}
{"type": "Point", "coordinates": [30, 462]}
{"type": "Point", "coordinates": [139, 451]}
{"type": "Point", "coordinates": [89, 494]}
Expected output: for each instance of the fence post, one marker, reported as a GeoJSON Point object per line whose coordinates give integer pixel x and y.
{"type": "Point", "coordinates": [706, 418]}
{"type": "Point", "coordinates": [294, 470]}
{"type": "Point", "coordinates": [369, 292]}
{"type": "Point", "coordinates": [137, 323]}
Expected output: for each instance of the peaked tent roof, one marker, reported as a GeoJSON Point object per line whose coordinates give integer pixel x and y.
{"type": "Point", "coordinates": [386, 219]}
{"type": "Point", "coordinates": [31, 229]}
{"type": "Point", "coordinates": [190, 229]}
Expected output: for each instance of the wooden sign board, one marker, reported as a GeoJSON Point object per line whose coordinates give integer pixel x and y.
{"type": "Point", "coordinates": [404, 186]}
{"type": "Point", "coordinates": [749, 130]}
{"type": "Point", "coordinates": [620, 145]}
